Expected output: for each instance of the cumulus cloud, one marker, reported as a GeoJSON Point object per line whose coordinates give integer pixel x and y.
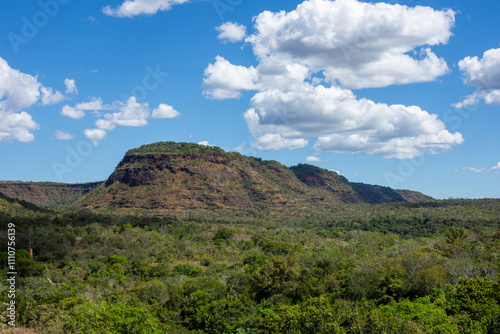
{"type": "Point", "coordinates": [469, 100]}
{"type": "Point", "coordinates": [19, 91]}
{"type": "Point", "coordinates": [61, 135]}
{"type": "Point", "coordinates": [308, 59]}
{"type": "Point", "coordinates": [131, 8]}
{"type": "Point", "coordinates": [78, 111]}
{"type": "Point", "coordinates": [274, 141]}
{"type": "Point", "coordinates": [357, 43]}
{"type": "Point", "coordinates": [205, 143]}
{"type": "Point", "coordinates": [344, 123]}
{"type": "Point", "coordinates": [51, 97]}
{"type": "Point", "coordinates": [493, 97]}
{"type": "Point", "coordinates": [72, 112]}
{"type": "Point", "coordinates": [70, 86]}
{"type": "Point", "coordinates": [131, 113]}
{"type": "Point", "coordinates": [128, 113]}
{"type": "Point", "coordinates": [496, 168]}
{"type": "Point", "coordinates": [313, 158]}
{"type": "Point", "coordinates": [483, 170]}
{"type": "Point", "coordinates": [17, 126]}
{"type": "Point", "coordinates": [95, 135]}
{"type": "Point", "coordinates": [94, 104]}
{"type": "Point", "coordinates": [165, 111]}
{"type": "Point", "coordinates": [232, 32]}
{"type": "Point", "coordinates": [484, 74]}
{"type": "Point", "coordinates": [224, 80]}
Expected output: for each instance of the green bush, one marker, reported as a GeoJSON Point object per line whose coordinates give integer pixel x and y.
{"type": "Point", "coordinates": [113, 318]}
{"type": "Point", "coordinates": [187, 270]}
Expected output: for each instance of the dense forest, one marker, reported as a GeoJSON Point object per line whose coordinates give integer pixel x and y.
{"type": "Point", "coordinates": [427, 267]}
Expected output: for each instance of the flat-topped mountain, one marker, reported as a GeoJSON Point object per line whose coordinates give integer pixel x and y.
{"type": "Point", "coordinates": [185, 179]}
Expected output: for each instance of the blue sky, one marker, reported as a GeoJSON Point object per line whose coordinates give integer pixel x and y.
{"type": "Point", "coordinates": [403, 93]}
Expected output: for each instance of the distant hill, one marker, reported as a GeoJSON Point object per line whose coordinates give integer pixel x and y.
{"type": "Point", "coordinates": [348, 192]}
{"type": "Point", "coordinates": [17, 207]}
{"type": "Point", "coordinates": [413, 196]}
{"type": "Point", "coordinates": [186, 179]}
{"type": "Point", "coordinates": [46, 193]}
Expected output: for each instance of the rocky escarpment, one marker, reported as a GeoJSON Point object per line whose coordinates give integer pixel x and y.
{"type": "Point", "coordinates": [184, 179]}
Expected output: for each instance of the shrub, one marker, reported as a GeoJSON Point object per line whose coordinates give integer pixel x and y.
{"type": "Point", "coordinates": [187, 269]}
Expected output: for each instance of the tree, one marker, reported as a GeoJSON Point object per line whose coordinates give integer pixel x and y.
{"type": "Point", "coordinates": [279, 275]}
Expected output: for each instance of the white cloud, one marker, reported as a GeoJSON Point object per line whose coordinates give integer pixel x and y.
{"type": "Point", "coordinates": [493, 97]}
{"type": "Point", "coordinates": [205, 143]}
{"type": "Point", "coordinates": [238, 149]}
{"type": "Point", "coordinates": [232, 32]}
{"type": "Point", "coordinates": [164, 111]}
{"type": "Point", "coordinates": [335, 171]}
{"type": "Point", "coordinates": [475, 170]}
{"type": "Point", "coordinates": [390, 69]}
{"type": "Point", "coordinates": [51, 97]}
{"type": "Point", "coordinates": [496, 168]}
{"type": "Point", "coordinates": [274, 141]}
{"type": "Point", "coordinates": [313, 158]}
{"type": "Point", "coordinates": [78, 112]}
{"type": "Point", "coordinates": [94, 104]}
{"type": "Point", "coordinates": [72, 112]}
{"type": "Point", "coordinates": [131, 113]}
{"type": "Point", "coordinates": [343, 123]}
{"type": "Point", "coordinates": [17, 126]}
{"type": "Point", "coordinates": [357, 43]}
{"type": "Point", "coordinates": [61, 135]}
{"type": "Point", "coordinates": [305, 56]}
{"type": "Point", "coordinates": [70, 86]}
{"type": "Point", "coordinates": [95, 135]}
{"type": "Point", "coordinates": [19, 91]}
{"type": "Point", "coordinates": [484, 170]}
{"type": "Point", "coordinates": [469, 100]}
{"type": "Point", "coordinates": [224, 80]}
{"type": "Point", "coordinates": [130, 8]}
{"type": "Point", "coordinates": [485, 75]}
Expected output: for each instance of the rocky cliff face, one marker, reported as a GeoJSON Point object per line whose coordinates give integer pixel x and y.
{"type": "Point", "coordinates": [184, 182]}
{"type": "Point", "coordinates": [189, 179]}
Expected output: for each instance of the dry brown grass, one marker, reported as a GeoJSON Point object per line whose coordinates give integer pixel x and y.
{"type": "Point", "coordinates": [19, 330]}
